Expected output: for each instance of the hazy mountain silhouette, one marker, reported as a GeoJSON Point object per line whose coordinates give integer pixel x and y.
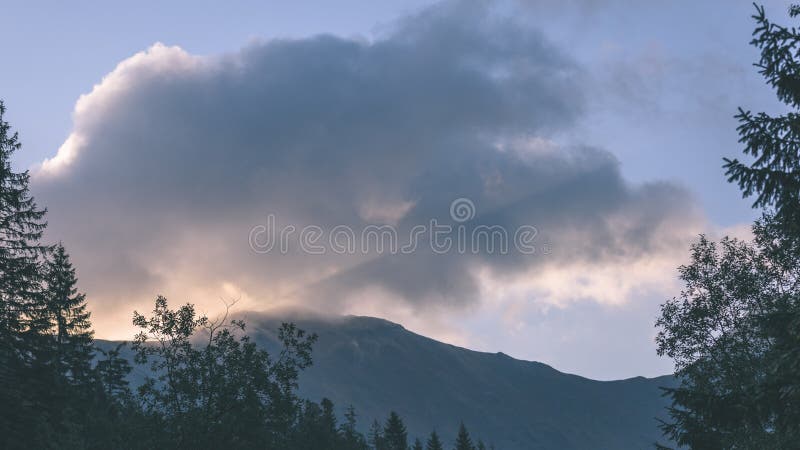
{"type": "Point", "coordinates": [379, 366]}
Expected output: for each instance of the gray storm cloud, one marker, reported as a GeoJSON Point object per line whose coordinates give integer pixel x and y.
{"type": "Point", "coordinates": [175, 157]}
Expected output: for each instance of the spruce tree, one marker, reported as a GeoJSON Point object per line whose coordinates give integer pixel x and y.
{"type": "Point", "coordinates": [463, 441]}
{"type": "Point", "coordinates": [66, 308]}
{"type": "Point", "coordinates": [112, 371]}
{"type": "Point", "coordinates": [328, 421]}
{"type": "Point", "coordinates": [21, 227]}
{"type": "Point", "coordinates": [376, 436]}
{"type": "Point", "coordinates": [309, 430]}
{"type": "Point", "coordinates": [351, 438]}
{"type": "Point", "coordinates": [434, 443]}
{"type": "Point", "coordinates": [773, 176]}
{"type": "Point", "coordinates": [395, 436]}
{"type": "Point", "coordinates": [417, 445]}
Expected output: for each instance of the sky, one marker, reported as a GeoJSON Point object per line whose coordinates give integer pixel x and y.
{"type": "Point", "coordinates": [164, 138]}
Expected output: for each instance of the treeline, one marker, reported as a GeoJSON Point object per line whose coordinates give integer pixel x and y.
{"type": "Point", "coordinates": [209, 386]}
{"type": "Point", "coordinates": [318, 429]}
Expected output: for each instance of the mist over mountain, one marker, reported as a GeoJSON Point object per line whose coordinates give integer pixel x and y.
{"type": "Point", "coordinates": [378, 366]}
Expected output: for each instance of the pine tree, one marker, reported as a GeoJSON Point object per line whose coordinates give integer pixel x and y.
{"type": "Point", "coordinates": [463, 441]}
{"type": "Point", "coordinates": [376, 436]}
{"type": "Point", "coordinates": [309, 430]}
{"type": "Point", "coordinates": [434, 443]}
{"type": "Point", "coordinates": [21, 227]}
{"type": "Point", "coordinates": [112, 371]}
{"type": "Point", "coordinates": [480, 446]}
{"type": "Point", "coordinates": [395, 436]}
{"type": "Point", "coordinates": [773, 177]}
{"type": "Point", "coordinates": [417, 445]}
{"type": "Point", "coordinates": [66, 308]}
{"type": "Point", "coordinates": [328, 422]}
{"type": "Point", "coordinates": [351, 438]}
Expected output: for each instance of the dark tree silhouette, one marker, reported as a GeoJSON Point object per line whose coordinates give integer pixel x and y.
{"type": "Point", "coordinates": [395, 436]}
{"type": "Point", "coordinates": [434, 443]}
{"type": "Point", "coordinates": [463, 441]}
{"type": "Point", "coordinates": [21, 325]}
{"type": "Point", "coordinates": [227, 389]}
{"type": "Point", "coordinates": [774, 175]}
{"type": "Point", "coordinates": [376, 436]}
{"type": "Point", "coordinates": [712, 331]}
{"type": "Point", "coordinates": [351, 438]}
{"type": "Point", "coordinates": [68, 318]}
{"type": "Point", "coordinates": [733, 332]}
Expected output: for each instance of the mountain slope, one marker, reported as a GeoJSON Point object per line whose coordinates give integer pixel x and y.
{"type": "Point", "coordinates": [379, 366]}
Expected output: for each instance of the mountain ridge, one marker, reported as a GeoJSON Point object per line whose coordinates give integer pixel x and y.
{"type": "Point", "coordinates": [379, 366]}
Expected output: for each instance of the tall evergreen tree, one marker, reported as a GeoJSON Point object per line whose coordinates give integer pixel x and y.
{"type": "Point", "coordinates": [434, 443]}
{"type": "Point", "coordinates": [21, 227]}
{"type": "Point", "coordinates": [328, 420]}
{"type": "Point", "coordinates": [112, 371]}
{"type": "Point", "coordinates": [311, 431]}
{"type": "Point", "coordinates": [733, 330]}
{"type": "Point", "coordinates": [773, 177]}
{"type": "Point", "coordinates": [66, 310]}
{"type": "Point", "coordinates": [417, 445]}
{"type": "Point", "coordinates": [395, 436]}
{"type": "Point", "coordinates": [62, 360]}
{"type": "Point", "coordinates": [463, 441]}
{"type": "Point", "coordinates": [376, 436]}
{"type": "Point", "coordinates": [351, 438]}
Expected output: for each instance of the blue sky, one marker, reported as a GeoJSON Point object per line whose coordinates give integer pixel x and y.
{"type": "Point", "coordinates": [73, 45]}
{"type": "Point", "coordinates": [609, 120]}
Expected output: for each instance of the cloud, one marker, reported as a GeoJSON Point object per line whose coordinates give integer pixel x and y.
{"type": "Point", "coordinates": [174, 158]}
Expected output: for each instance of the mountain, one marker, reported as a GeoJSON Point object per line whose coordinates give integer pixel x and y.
{"type": "Point", "coordinates": [379, 366]}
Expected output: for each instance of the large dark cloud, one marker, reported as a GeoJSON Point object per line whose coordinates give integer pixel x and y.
{"type": "Point", "coordinates": [175, 157]}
